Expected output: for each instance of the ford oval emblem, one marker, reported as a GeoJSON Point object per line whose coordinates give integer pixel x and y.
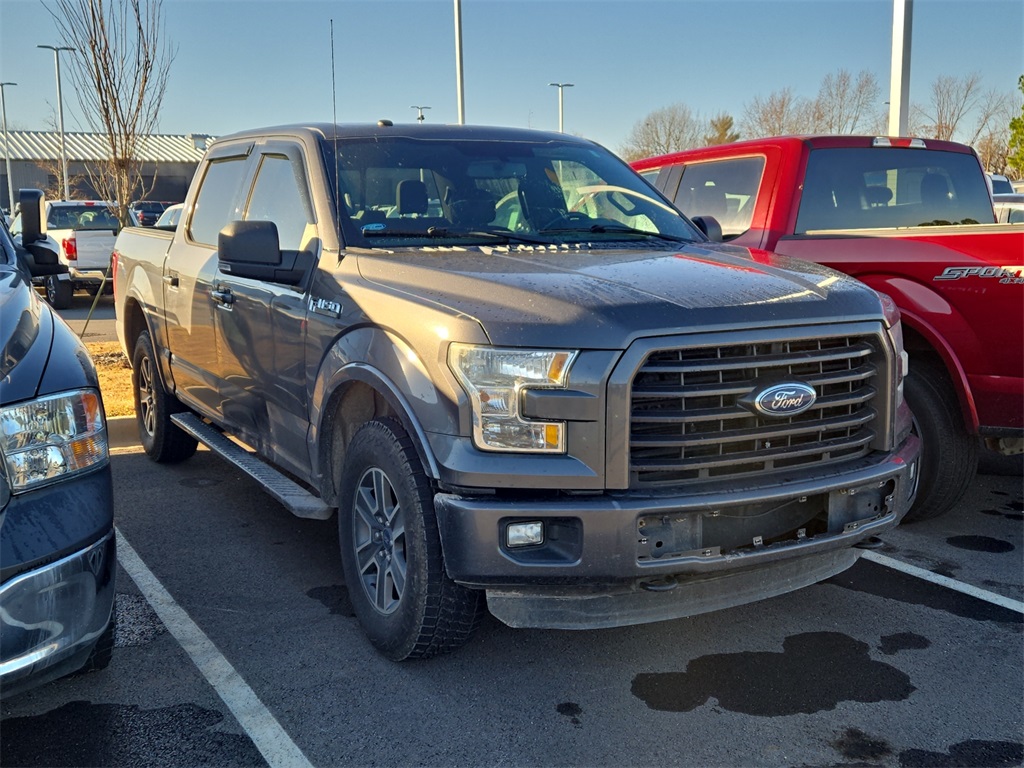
{"type": "Point", "coordinates": [787, 399]}
{"type": "Point", "coordinates": [375, 227]}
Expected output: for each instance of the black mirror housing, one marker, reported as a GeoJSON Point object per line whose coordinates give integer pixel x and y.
{"type": "Point", "coordinates": [253, 249]}
{"type": "Point", "coordinates": [32, 203]}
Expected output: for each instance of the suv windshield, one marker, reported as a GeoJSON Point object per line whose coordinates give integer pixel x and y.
{"type": "Point", "coordinates": [873, 188]}
{"type": "Point", "coordinates": [416, 192]}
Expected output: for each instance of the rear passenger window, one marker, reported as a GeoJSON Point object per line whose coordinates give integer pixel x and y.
{"type": "Point", "coordinates": [217, 203]}
{"type": "Point", "coordinates": [725, 189]}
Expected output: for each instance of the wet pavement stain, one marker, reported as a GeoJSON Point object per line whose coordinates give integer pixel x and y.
{"type": "Point", "coordinates": [335, 599]}
{"type": "Point", "coordinates": [857, 745]}
{"type": "Point", "coordinates": [980, 544]}
{"type": "Point", "coordinates": [966, 754]}
{"type": "Point", "coordinates": [117, 735]}
{"type": "Point", "coordinates": [873, 579]}
{"type": "Point", "coordinates": [570, 709]}
{"type": "Point", "coordinates": [815, 672]}
{"type": "Point", "coordinates": [903, 641]}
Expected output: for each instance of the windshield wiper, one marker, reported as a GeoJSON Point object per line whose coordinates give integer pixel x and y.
{"type": "Point", "coordinates": [601, 229]}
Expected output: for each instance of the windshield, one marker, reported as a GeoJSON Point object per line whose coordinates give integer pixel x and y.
{"type": "Point", "coordinates": [873, 188]}
{"type": "Point", "coordinates": [414, 192]}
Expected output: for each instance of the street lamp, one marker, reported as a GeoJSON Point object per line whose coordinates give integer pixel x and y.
{"type": "Point", "coordinates": [561, 87]}
{"type": "Point", "coordinates": [7, 148]}
{"type": "Point", "coordinates": [60, 112]}
{"type": "Point", "coordinates": [420, 118]}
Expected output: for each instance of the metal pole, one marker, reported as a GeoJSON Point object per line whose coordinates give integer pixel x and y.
{"type": "Point", "coordinates": [7, 149]}
{"type": "Point", "coordinates": [458, 63]}
{"type": "Point", "coordinates": [561, 111]}
{"type": "Point", "coordinates": [899, 77]}
{"type": "Point", "coordinates": [60, 116]}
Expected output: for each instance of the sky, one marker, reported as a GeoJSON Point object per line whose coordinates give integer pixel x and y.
{"type": "Point", "coordinates": [249, 63]}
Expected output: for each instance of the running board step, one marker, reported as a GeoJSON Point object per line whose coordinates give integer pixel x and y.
{"type": "Point", "coordinates": [297, 499]}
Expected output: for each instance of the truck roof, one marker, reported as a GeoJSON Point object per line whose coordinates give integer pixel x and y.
{"type": "Point", "coordinates": [755, 146]}
{"type": "Point", "coordinates": [320, 131]}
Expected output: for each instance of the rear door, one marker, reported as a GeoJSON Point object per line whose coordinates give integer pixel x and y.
{"type": "Point", "coordinates": [189, 275]}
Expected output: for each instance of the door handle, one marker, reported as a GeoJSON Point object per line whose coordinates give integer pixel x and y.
{"type": "Point", "coordinates": [223, 296]}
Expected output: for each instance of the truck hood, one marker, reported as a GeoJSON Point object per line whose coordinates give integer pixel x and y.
{"type": "Point", "coordinates": [556, 296]}
{"type": "Point", "coordinates": [31, 334]}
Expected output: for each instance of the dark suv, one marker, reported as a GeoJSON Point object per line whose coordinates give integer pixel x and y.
{"type": "Point", "coordinates": [148, 211]}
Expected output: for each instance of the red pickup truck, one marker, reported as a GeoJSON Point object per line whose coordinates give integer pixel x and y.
{"type": "Point", "coordinates": [913, 219]}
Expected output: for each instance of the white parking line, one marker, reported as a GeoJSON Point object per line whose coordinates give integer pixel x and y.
{"type": "Point", "coordinates": [944, 581]}
{"type": "Point", "coordinates": [266, 733]}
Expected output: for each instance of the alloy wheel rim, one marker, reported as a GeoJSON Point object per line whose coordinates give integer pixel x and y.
{"type": "Point", "coordinates": [146, 396]}
{"type": "Point", "coordinates": [378, 528]}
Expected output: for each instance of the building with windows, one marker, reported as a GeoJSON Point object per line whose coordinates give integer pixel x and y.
{"type": "Point", "coordinates": [168, 163]}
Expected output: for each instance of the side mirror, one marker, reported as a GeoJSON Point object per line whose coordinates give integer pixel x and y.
{"type": "Point", "coordinates": [709, 226]}
{"type": "Point", "coordinates": [32, 203]}
{"type": "Point", "coordinates": [253, 249]}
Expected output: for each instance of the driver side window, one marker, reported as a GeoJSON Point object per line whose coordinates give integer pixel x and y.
{"type": "Point", "coordinates": [279, 195]}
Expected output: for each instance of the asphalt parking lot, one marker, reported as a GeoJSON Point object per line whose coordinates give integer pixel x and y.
{"type": "Point", "coordinates": [237, 646]}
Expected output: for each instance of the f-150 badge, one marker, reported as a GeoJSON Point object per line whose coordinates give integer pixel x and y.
{"type": "Point", "coordinates": [1006, 275]}
{"type": "Point", "coordinates": [324, 307]}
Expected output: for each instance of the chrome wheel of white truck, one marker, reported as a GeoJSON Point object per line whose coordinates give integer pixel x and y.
{"type": "Point", "coordinates": [391, 551]}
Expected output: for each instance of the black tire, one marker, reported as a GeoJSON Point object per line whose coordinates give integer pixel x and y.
{"type": "Point", "coordinates": [161, 439]}
{"type": "Point", "coordinates": [949, 456]}
{"type": "Point", "coordinates": [391, 552]}
{"type": "Point", "coordinates": [59, 292]}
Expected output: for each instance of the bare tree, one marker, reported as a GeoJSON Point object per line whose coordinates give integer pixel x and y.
{"type": "Point", "coordinates": [669, 129]}
{"type": "Point", "coordinates": [720, 130]}
{"type": "Point", "coordinates": [781, 113]}
{"type": "Point", "coordinates": [844, 105]}
{"type": "Point", "coordinates": [119, 67]}
{"type": "Point", "coordinates": [952, 100]}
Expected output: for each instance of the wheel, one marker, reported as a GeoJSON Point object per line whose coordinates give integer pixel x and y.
{"type": "Point", "coordinates": [161, 439]}
{"type": "Point", "coordinates": [949, 456]}
{"type": "Point", "coordinates": [59, 292]}
{"type": "Point", "coordinates": [391, 552]}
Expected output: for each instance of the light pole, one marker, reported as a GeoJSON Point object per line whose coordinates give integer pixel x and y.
{"type": "Point", "coordinates": [60, 113]}
{"type": "Point", "coordinates": [459, 88]}
{"type": "Point", "coordinates": [7, 148]}
{"type": "Point", "coordinates": [561, 111]}
{"type": "Point", "coordinates": [419, 118]}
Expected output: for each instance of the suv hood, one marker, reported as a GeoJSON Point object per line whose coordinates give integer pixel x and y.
{"type": "Point", "coordinates": [26, 332]}
{"type": "Point", "coordinates": [556, 296]}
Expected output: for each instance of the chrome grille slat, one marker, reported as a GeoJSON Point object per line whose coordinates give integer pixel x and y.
{"type": "Point", "coordinates": [686, 423]}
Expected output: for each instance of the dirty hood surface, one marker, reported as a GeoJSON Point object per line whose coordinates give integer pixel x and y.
{"type": "Point", "coordinates": [557, 295]}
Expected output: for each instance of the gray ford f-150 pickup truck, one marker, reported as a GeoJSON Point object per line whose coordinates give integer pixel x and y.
{"type": "Point", "coordinates": [518, 373]}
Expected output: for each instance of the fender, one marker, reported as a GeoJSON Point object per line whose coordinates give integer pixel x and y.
{"type": "Point", "coordinates": [396, 370]}
{"type": "Point", "coordinates": [916, 303]}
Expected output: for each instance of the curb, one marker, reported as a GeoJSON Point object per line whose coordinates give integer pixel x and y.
{"type": "Point", "coordinates": [122, 432]}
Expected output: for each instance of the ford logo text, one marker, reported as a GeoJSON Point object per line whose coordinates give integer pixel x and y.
{"type": "Point", "coordinates": [789, 399]}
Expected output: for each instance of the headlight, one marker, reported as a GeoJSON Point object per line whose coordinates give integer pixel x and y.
{"type": "Point", "coordinates": [51, 438]}
{"type": "Point", "coordinates": [894, 327]}
{"type": "Point", "coordinates": [494, 380]}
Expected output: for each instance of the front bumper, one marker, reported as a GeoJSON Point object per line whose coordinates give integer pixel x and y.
{"type": "Point", "coordinates": [52, 617]}
{"type": "Point", "coordinates": [612, 560]}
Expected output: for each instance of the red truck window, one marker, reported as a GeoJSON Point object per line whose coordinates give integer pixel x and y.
{"type": "Point", "coordinates": [725, 189]}
{"type": "Point", "coordinates": [872, 188]}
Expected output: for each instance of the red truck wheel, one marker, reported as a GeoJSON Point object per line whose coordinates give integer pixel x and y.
{"type": "Point", "coordinates": [949, 456]}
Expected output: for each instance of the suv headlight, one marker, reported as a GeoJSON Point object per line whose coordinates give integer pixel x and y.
{"type": "Point", "coordinates": [494, 379]}
{"type": "Point", "coordinates": [51, 438]}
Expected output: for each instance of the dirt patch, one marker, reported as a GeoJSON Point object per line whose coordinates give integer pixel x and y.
{"type": "Point", "coordinates": [115, 377]}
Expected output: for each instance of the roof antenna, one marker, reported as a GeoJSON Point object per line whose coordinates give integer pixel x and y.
{"type": "Point", "coordinates": [337, 173]}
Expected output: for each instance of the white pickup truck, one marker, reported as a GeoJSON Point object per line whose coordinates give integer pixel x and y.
{"type": "Point", "coordinates": [84, 232]}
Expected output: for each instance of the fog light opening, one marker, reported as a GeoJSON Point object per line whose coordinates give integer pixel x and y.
{"type": "Point", "coordinates": [524, 534]}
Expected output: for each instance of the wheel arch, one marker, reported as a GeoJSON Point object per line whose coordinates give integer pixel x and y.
{"type": "Point", "coordinates": [360, 393]}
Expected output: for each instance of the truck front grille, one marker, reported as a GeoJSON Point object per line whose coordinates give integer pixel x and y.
{"type": "Point", "coordinates": [687, 425]}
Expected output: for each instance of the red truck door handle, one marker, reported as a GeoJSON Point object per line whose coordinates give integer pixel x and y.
{"type": "Point", "coordinates": [223, 296]}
